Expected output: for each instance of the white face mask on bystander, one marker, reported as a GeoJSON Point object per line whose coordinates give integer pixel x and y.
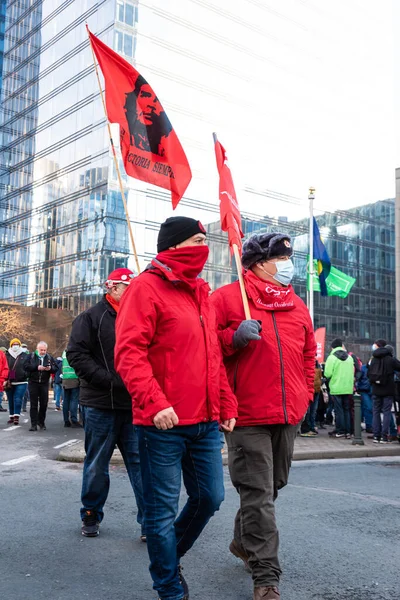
{"type": "Point", "coordinates": [284, 271]}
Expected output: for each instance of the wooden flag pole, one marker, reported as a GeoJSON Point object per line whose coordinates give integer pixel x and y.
{"type": "Point", "coordinates": [115, 160]}
{"type": "Point", "coordinates": [245, 300]}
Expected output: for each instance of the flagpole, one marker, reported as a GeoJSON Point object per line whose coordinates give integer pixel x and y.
{"type": "Point", "coordinates": [311, 198]}
{"type": "Point", "coordinates": [121, 186]}
{"type": "Point", "coordinates": [239, 268]}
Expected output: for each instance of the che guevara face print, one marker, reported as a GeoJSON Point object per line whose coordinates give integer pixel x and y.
{"type": "Point", "coordinates": [148, 123]}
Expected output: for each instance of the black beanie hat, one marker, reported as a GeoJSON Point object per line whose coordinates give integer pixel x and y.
{"type": "Point", "coordinates": [337, 342]}
{"type": "Point", "coordinates": [263, 246]}
{"type": "Point", "coordinates": [176, 230]}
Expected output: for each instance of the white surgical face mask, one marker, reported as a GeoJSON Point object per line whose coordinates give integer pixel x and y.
{"type": "Point", "coordinates": [374, 347]}
{"type": "Point", "coordinates": [15, 346]}
{"type": "Point", "coordinates": [284, 271]}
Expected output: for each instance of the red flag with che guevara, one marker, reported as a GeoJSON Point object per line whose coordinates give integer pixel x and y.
{"type": "Point", "coordinates": [150, 147]}
{"type": "Point", "coordinates": [231, 220]}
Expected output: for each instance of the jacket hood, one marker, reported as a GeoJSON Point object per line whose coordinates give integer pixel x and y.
{"type": "Point", "coordinates": [340, 353]}
{"type": "Point", "coordinates": [158, 268]}
{"type": "Point", "coordinates": [381, 353]}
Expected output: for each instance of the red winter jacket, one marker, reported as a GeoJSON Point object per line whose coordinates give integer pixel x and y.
{"type": "Point", "coordinates": [272, 378]}
{"type": "Point", "coordinates": [3, 370]}
{"type": "Point", "coordinates": [167, 350]}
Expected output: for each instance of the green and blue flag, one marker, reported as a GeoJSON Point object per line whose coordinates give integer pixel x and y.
{"type": "Point", "coordinates": [322, 259]}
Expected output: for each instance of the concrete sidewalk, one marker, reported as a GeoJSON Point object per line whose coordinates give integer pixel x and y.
{"type": "Point", "coordinates": [318, 447]}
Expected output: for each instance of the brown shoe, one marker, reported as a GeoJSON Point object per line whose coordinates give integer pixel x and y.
{"type": "Point", "coordinates": [266, 593]}
{"type": "Point", "coordinates": [239, 553]}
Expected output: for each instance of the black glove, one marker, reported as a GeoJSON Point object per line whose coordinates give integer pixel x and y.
{"type": "Point", "coordinates": [247, 331]}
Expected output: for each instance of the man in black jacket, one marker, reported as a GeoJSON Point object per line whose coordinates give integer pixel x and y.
{"type": "Point", "coordinates": [106, 404]}
{"type": "Point", "coordinates": [381, 370]}
{"type": "Point", "coordinates": [40, 366]}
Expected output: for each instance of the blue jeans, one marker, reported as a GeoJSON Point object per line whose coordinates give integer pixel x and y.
{"type": "Point", "coordinates": [70, 404]}
{"type": "Point", "coordinates": [382, 404]}
{"type": "Point", "coordinates": [25, 399]}
{"type": "Point", "coordinates": [58, 394]}
{"type": "Point", "coordinates": [1, 399]}
{"type": "Point", "coordinates": [195, 452]}
{"type": "Point", "coordinates": [312, 411]}
{"type": "Point", "coordinates": [15, 395]}
{"type": "Point", "coordinates": [104, 429]}
{"type": "Point", "coordinates": [329, 410]}
{"type": "Point", "coordinates": [366, 409]}
{"type": "Point", "coordinates": [393, 428]}
{"type": "Point", "coordinates": [342, 413]}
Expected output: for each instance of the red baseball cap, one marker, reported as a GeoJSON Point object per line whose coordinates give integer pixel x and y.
{"type": "Point", "coordinates": [119, 276]}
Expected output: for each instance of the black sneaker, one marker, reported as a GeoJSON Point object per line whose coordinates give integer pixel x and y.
{"type": "Point", "coordinates": [90, 524]}
{"type": "Point", "coordinates": [376, 439]}
{"type": "Point", "coordinates": [42, 426]}
{"type": "Point", "coordinates": [33, 428]}
{"type": "Point", "coordinates": [67, 424]}
{"type": "Point", "coordinates": [75, 424]}
{"type": "Point", "coordinates": [183, 583]}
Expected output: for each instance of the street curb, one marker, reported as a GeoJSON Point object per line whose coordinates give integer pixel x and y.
{"type": "Point", "coordinates": [350, 452]}
{"type": "Point", "coordinates": [76, 453]}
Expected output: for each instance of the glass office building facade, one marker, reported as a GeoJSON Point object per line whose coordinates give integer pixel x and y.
{"type": "Point", "coordinates": [62, 220]}
{"type": "Point", "coordinates": [2, 29]}
{"type": "Point", "coordinates": [360, 242]}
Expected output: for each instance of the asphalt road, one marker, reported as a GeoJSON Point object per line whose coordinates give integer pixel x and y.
{"type": "Point", "coordinates": [16, 442]}
{"type": "Point", "coordinates": [339, 524]}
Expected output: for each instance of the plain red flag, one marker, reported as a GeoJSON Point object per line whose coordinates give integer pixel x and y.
{"type": "Point", "coordinates": [150, 147]}
{"type": "Point", "coordinates": [320, 336]}
{"type": "Point", "coordinates": [231, 220]}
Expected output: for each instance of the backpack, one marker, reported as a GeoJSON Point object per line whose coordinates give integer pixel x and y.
{"type": "Point", "coordinates": [375, 372]}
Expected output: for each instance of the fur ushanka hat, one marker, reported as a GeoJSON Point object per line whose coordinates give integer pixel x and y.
{"type": "Point", "coordinates": [264, 246]}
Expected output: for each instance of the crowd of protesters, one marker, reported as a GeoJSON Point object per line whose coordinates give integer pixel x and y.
{"type": "Point", "coordinates": [343, 375]}
{"type": "Point", "coordinates": [27, 377]}
{"type": "Point", "coordinates": [159, 368]}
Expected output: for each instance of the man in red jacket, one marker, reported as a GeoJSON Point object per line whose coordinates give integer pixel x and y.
{"type": "Point", "coordinates": [168, 355]}
{"type": "Point", "coordinates": [270, 364]}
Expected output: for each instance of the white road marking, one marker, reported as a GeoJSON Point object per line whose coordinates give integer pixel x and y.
{"type": "Point", "coordinates": [12, 428]}
{"type": "Point", "coordinates": [26, 420]}
{"type": "Point", "coordinates": [69, 443]}
{"type": "Point", "coordinates": [381, 500]}
{"type": "Point", "coordinates": [16, 461]}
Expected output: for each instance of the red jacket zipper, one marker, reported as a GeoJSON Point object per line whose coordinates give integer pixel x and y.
{"type": "Point", "coordinates": [282, 367]}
